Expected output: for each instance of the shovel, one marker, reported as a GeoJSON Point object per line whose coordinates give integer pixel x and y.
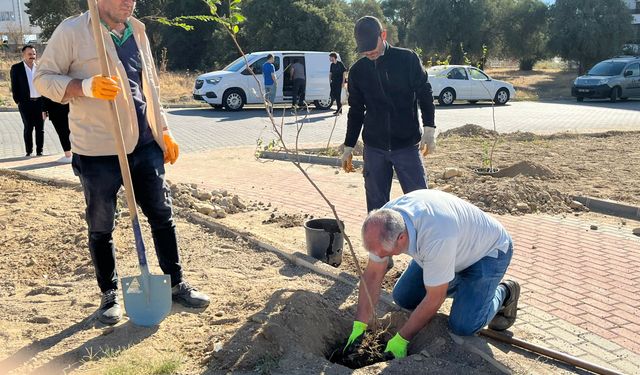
{"type": "Point", "coordinates": [147, 297]}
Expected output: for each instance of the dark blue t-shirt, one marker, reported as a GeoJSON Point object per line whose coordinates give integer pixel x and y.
{"type": "Point", "coordinates": [267, 70]}
{"type": "Point", "coordinates": [130, 57]}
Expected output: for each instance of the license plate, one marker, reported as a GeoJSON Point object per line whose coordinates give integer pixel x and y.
{"type": "Point", "coordinates": [583, 90]}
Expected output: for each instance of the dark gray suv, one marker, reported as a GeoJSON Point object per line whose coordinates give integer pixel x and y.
{"type": "Point", "coordinates": [617, 78]}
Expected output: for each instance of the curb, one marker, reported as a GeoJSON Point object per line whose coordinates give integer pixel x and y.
{"type": "Point", "coordinates": [188, 106]}
{"type": "Point", "coordinates": [8, 109]}
{"type": "Point", "coordinates": [610, 207]}
{"type": "Point", "coordinates": [306, 158]}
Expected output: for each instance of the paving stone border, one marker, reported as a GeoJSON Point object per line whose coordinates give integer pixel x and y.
{"type": "Point", "coordinates": [610, 207]}
{"type": "Point", "coordinates": [307, 158]}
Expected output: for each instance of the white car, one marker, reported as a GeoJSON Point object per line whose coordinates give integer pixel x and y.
{"type": "Point", "coordinates": [462, 82]}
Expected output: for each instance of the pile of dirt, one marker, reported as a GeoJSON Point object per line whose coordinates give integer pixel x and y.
{"type": "Point", "coordinates": [285, 220]}
{"type": "Point", "coordinates": [527, 169]}
{"type": "Point", "coordinates": [469, 130]}
{"type": "Point", "coordinates": [517, 196]}
{"type": "Point", "coordinates": [216, 203]}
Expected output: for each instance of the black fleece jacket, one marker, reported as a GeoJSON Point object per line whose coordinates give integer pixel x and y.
{"type": "Point", "coordinates": [384, 96]}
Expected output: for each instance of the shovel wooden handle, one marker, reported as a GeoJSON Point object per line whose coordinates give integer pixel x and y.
{"type": "Point", "coordinates": [98, 37]}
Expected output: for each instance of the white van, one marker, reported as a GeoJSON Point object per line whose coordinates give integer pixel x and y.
{"type": "Point", "coordinates": [233, 86]}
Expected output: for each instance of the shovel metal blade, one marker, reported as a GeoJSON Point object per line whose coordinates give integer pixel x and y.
{"type": "Point", "coordinates": [147, 298]}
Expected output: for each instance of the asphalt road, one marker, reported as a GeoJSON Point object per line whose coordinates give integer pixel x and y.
{"type": "Point", "coordinates": [204, 129]}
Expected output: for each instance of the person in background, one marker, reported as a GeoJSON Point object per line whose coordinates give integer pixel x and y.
{"type": "Point", "coordinates": [270, 81]}
{"type": "Point", "coordinates": [337, 74]}
{"type": "Point", "coordinates": [299, 84]}
{"type": "Point", "coordinates": [28, 99]}
{"type": "Point", "coordinates": [59, 117]}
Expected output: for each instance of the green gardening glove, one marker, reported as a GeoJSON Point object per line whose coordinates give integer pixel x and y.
{"type": "Point", "coordinates": [358, 330]}
{"type": "Point", "coordinates": [397, 346]}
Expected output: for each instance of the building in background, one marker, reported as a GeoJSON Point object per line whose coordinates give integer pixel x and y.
{"type": "Point", "coordinates": [15, 26]}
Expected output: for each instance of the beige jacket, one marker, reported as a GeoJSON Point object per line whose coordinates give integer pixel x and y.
{"type": "Point", "coordinates": [70, 54]}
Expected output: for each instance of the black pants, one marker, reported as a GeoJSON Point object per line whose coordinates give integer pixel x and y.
{"type": "Point", "coordinates": [101, 179]}
{"type": "Point", "coordinates": [59, 116]}
{"type": "Point", "coordinates": [299, 85]}
{"type": "Point", "coordinates": [336, 94]}
{"type": "Point", "coordinates": [31, 113]}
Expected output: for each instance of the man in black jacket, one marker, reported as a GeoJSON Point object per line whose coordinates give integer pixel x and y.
{"type": "Point", "coordinates": [28, 99]}
{"type": "Point", "coordinates": [385, 88]}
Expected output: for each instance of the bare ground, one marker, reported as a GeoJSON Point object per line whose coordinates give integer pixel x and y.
{"type": "Point", "coordinates": [267, 315]}
{"type": "Point", "coordinates": [537, 174]}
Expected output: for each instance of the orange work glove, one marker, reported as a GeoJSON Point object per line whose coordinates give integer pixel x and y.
{"type": "Point", "coordinates": [172, 148]}
{"type": "Point", "coordinates": [99, 87]}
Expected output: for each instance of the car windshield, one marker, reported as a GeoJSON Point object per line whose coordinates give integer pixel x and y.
{"type": "Point", "coordinates": [237, 65]}
{"type": "Point", "coordinates": [607, 68]}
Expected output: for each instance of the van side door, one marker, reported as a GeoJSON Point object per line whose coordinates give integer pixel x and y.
{"type": "Point", "coordinates": [632, 81]}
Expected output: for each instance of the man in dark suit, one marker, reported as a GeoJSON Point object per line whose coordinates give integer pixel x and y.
{"type": "Point", "coordinates": [28, 99]}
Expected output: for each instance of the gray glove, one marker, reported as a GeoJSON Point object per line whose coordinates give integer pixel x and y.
{"type": "Point", "coordinates": [428, 141]}
{"type": "Point", "coordinates": [347, 159]}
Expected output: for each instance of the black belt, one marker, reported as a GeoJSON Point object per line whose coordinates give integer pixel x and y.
{"type": "Point", "coordinates": [35, 99]}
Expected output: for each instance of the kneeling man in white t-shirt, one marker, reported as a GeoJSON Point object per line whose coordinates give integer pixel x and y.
{"type": "Point", "coordinates": [458, 251]}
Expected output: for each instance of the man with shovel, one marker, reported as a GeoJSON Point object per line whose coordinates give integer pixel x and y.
{"type": "Point", "coordinates": [70, 73]}
{"type": "Point", "coordinates": [457, 250]}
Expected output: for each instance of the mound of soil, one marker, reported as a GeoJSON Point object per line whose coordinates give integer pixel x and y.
{"type": "Point", "coordinates": [527, 169]}
{"type": "Point", "coordinates": [469, 130]}
{"type": "Point", "coordinates": [285, 220]}
{"type": "Point", "coordinates": [518, 195]}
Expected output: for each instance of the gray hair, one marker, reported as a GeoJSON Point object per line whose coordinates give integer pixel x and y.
{"type": "Point", "coordinates": [391, 225]}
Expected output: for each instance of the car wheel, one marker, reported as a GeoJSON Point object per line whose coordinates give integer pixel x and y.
{"type": "Point", "coordinates": [615, 94]}
{"type": "Point", "coordinates": [580, 99]}
{"type": "Point", "coordinates": [216, 106]}
{"type": "Point", "coordinates": [323, 104]}
{"type": "Point", "coordinates": [473, 101]}
{"type": "Point", "coordinates": [447, 96]}
{"type": "Point", "coordinates": [502, 97]}
{"type": "Point", "coordinates": [233, 100]}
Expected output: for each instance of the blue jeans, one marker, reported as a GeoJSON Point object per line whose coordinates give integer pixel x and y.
{"type": "Point", "coordinates": [270, 93]}
{"type": "Point", "coordinates": [101, 179]}
{"type": "Point", "coordinates": [475, 292]}
{"type": "Point", "coordinates": [378, 173]}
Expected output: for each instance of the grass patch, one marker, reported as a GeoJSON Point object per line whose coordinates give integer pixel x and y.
{"type": "Point", "coordinates": [119, 361]}
{"type": "Point", "coordinates": [267, 364]}
{"type": "Point", "coordinates": [538, 84]}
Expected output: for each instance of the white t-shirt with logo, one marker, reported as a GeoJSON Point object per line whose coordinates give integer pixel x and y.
{"type": "Point", "coordinates": [446, 233]}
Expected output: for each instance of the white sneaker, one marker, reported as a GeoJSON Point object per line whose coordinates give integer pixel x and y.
{"type": "Point", "coordinates": [64, 160]}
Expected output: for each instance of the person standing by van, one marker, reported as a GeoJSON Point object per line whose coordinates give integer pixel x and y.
{"type": "Point", "coordinates": [270, 81]}
{"type": "Point", "coordinates": [385, 88]}
{"type": "Point", "coordinates": [337, 72]}
{"type": "Point", "coordinates": [299, 83]}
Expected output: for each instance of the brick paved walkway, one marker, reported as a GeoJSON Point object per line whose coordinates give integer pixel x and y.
{"type": "Point", "coordinates": [581, 288]}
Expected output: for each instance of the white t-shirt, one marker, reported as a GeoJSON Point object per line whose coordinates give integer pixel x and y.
{"type": "Point", "coordinates": [447, 234]}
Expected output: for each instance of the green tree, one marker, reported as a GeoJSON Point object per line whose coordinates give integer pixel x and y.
{"type": "Point", "coordinates": [588, 31]}
{"type": "Point", "coordinates": [525, 30]}
{"type": "Point", "coordinates": [316, 25]}
{"type": "Point", "coordinates": [399, 13]}
{"type": "Point", "coordinates": [48, 14]}
{"type": "Point", "coordinates": [451, 27]}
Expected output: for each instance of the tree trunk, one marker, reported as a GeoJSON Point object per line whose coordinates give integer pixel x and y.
{"type": "Point", "coordinates": [527, 64]}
